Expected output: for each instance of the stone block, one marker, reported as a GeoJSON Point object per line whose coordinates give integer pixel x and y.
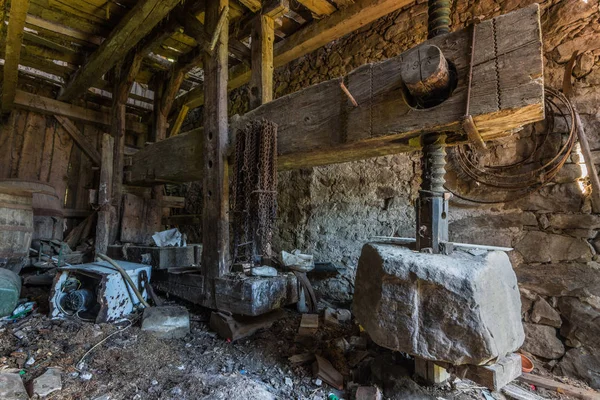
{"type": "Point", "coordinates": [542, 341]}
{"type": "Point", "coordinates": [582, 364]}
{"type": "Point", "coordinates": [460, 309]}
{"type": "Point", "coordinates": [47, 383]}
{"type": "Point", "coordinates": [544, 247]}
{"type": "Point", "coordinates": [166, 322]}
{"type": "Point", "coordinates": [562, 279]}
{"type": "Point", "coordinates": [368, 393]}
{"type": "Point", "coordinates": [574, 221]}
{"type": "Point", "coordinates": [543, 313]}
{"type": "Point", "coordinates": [583, 320]}
{"type": "Point", "coordinates": [12, 388]}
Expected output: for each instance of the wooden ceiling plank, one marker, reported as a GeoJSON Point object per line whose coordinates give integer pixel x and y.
{"type": "Point", "coordinates": [319, 8]}
{"type": "Point", "coordinates": [14, 39]}
{"type": "Point", "coordinates": [37, 39]}
{"type": "Point", "coordinates": [136, 24]}
{"type": "Point", "coordinates": [68, 20]}
{"type": "Point", "coordinates": [63, 30]}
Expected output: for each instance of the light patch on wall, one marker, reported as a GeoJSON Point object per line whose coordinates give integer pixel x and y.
{"type": "Point", "coordinates": [582, 181]}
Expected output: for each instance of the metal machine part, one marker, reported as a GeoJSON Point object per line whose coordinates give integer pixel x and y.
{"type": "Point", "coordinates": [96, 291]}
{"type": "Point", "coordinates": [78, 300]}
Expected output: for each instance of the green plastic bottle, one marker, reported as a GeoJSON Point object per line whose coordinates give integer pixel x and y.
{"type": "Point", "coordinates": [332, 396]}
{"type": "Point", "coordinates": [10, 290]}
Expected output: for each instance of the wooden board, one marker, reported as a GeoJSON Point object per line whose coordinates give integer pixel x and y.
{"type": "Point", "coordinates": [141, 219]}
{"type": "Point", "coordinates": [319, 125]}
{"type": "Point", "coordinates": [569, 390]}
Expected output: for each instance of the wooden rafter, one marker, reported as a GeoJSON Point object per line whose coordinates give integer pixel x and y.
{"type": "Point", "coordinates": [14, 38]}
{"type": "Point", "coordinates": [308, 39]}
{"type": "Point", "coordinates": [320, 8]}
{"type": "Point", "coordinates": [45, 105]}
{"type": "Point", "coordinates": [136, 24]}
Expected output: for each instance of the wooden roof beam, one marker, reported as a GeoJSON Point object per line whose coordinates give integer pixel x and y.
{"type": "Point", "coordinates": [319, 125]}
{"type": "Point", "coordinates": [308, 39]}
{"type": "Point", "coordinates": [14, 38]}
{"type": "Point", "coordinates": [136, 24]}
{"type": "Point", "coordinates": [45, 105]}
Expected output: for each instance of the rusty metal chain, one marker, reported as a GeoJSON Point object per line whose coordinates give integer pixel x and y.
{"type": "Point", "coordinates": [254, 191]}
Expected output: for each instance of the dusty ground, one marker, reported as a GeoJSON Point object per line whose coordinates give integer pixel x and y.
{"type": "Point", "coordinates": [135, 365]}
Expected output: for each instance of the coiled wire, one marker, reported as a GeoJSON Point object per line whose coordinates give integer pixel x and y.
{"type": "Point", "coordinates": [517, 180]}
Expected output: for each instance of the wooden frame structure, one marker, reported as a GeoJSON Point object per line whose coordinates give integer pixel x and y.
{"type": "Point", "coordinates": [135, 68]}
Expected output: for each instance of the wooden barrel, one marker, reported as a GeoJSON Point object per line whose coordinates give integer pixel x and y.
{"type": "Point", "coordinates": [48, 214]}
{"type": "Point", "coordinates": [16, 227]}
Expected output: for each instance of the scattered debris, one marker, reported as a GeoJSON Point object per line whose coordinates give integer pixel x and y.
{"type": "Point", "coordinates": [309, 324]}
{"type": "Point", "coordinates": [166, 322]}
{"type": "Point", "coordinates": [170, 237]}
{"type": "Point", "coordinates": [297, 261]}
{"type": "Point", "coordinates": [235, 328]}
{"type": "Point", "coordinates": [517, 393]}
{"type": "Point", "coordinates": [368, 393]}
{"type": "Point", "coordinates": [12, 388]}
{"type": "Point", "coordinates": [264, 271]}
{"type": "Point", "coordinates": [47, 383]}
{"type": "Point", "coordinates": [334, 317]}
{"type": "Point", "coordinates": [560, 387]}
{"type": "Point", "coordinates": [323, 369]}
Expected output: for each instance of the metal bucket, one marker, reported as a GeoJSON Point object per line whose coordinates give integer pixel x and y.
{"type": "Point", "coordinates": [16, 227]}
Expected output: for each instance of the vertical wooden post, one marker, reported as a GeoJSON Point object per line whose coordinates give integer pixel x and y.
{"type": "Point", "coordinates": [123, 80]}
{"type": "Point", "coordinates": [430, 372]}
{"type": "Point", "coordinates": [261, 81]}
{"type": "Point", "coordinates": [215, 210]}
{"type": "Point", "coordinates": [104, 195]}
{"type": "Point", "coordinates": [14, 38]}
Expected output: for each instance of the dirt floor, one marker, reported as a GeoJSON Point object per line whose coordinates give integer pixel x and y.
{"type": "Point", "coordinates": [135, 365]}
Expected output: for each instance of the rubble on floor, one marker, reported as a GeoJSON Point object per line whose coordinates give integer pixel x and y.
{"type": "Point", "coordinates": [274, 363]}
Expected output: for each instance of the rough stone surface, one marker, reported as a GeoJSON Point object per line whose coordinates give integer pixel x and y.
{"type": "Point", "coordinates": [542, 341]}
{"type": "Point", "coordinates": [166, 322]}
{"type": "Point", "coordinates": [460, 309]}
{"type": "Point", "coordinates": [565, 279]}
{"type": "Point", "coordinates": [49, 382]}
{"type": "Point", "coordinates": [582, 362]}
{"type": "Point", "coordinates": [583, 319]}
{"type": "Point", "coordinates": [12, 388]}
{"type": "Point", "coordinates": [543, 313]}
{"type": "Point", "coordinates": [544, 247]}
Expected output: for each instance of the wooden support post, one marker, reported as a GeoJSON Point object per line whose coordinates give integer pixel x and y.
{"type": "Point", "coordinates": [215, 210]}
{"type": "Point", "coordinates": [124, 77]}
{"type": "Point", "coordinates": [14, 38]}
{"type": "Point", "coordinates": [179, 121]}
{"type": "Point", "coordinates": [104, 196]}
{"type": "Point", "coordinates": [261, 81]}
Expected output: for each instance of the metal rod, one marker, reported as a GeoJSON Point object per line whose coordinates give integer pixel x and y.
{"type": "Point", "coordinates": [455, 244]}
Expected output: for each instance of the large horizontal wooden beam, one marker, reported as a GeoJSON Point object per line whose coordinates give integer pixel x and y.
{"type": "Point", "coordinates": [308, 39]}
{"type": "Point", "coordinates": [320, 125]}
{"type": "Point", "coordinates": [136, 24]}
{"type": "Point", "coordinates": [45, 105]}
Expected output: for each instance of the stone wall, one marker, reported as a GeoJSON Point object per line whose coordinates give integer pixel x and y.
{"type": "Point", "coordinates": [332, 211]}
